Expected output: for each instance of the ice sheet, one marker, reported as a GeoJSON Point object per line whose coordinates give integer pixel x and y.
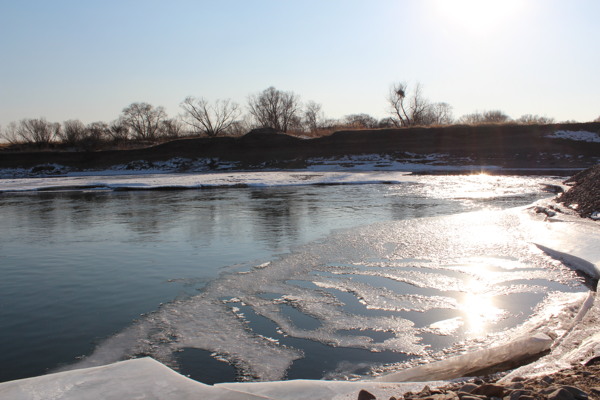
{"type": "Point", "coordinates": [349, 281]}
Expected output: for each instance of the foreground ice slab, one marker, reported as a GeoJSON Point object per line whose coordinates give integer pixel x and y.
{"type": "Point", "coordinates": [468, 363]}
{"type": "Point", "coordinates": [146, 378]}
{"type": "Point", "coordinates": [143, 378]}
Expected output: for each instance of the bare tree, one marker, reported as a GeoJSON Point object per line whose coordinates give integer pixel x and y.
{"type": "Point", "coordinates": [73, 131]}
{"type": "Point", "coordinates": [275, 109]}
{"type": "Point", "coordinates": [439, 114]}
{"type": "Point", "coordinates": [172, 128]}
{"type": "Point", "coordinates": [485, 117]}
{"type": "Point", "coordinates": [414, 109]}
{"type": "Point", "coordinates": [119, 131]}
{"type": "Point", "coordinates": [419, 107]}
{"type": "Point", "coordinates": [144, 120]}
{"type": "Point", "coordinates": [396, 98]}
{"type": "Point", "coordinates": [98, 131]}
{"type": "Point", "coordinates": [387, 122]}
{"type": "Point", "coordinates": [529, 119]}
{"type": "Point", "coordinates": [38, 131]}
{"type": "Point", "coordinates": [242, 125]}
{"type": "Point", "coordinates": [211, 119]}
{"type": "Point", "coordinates": [313, 116]}
{"type": "Point", "coordinates": [10, 134]}
{"type": "Point", "coordinates": [361, 121]}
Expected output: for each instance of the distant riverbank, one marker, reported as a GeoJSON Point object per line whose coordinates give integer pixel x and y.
{"type": "Point", "coordinates": [528, 147]}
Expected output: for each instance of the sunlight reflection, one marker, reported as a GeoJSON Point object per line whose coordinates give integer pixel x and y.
{"type": "Point", "coordinates": [479, 311]}
{"type": "Point", "coordinates": [477, 303]}
{"type": "Point", "coordinates": [477, 186]}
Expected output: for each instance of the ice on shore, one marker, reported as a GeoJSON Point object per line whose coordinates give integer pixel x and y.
{"type": "Point", "coordinates": [199, 180]}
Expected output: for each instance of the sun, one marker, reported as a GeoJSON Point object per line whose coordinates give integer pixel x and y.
{"type": "Point", "coordinates": [477, 16]}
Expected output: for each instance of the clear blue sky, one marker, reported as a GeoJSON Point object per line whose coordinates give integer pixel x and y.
{"type": "Point", "coordinates": [84, 59]}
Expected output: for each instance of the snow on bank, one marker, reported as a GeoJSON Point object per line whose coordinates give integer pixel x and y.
{"type": "Point", "coordinates": [580, 136]}
{"type": "Point", "coordinates": [369, 162]}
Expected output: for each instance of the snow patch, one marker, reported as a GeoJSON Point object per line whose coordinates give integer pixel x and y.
{"type": "Point", "coordinates": [580, 136]}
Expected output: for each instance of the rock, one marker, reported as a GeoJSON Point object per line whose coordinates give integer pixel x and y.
{"type": "Point", "coordinates": [549, 390]}
{"type": "Point", "coordinates": [441, 396]}
{"type": "Point", "coordinates": [544, 210]}
{"type": "Point", "coordinates": [468, 388]}
{"type": "Point", "coordinates": [517, 379]}
{"type": "Point", "coordinates": [548, 380]}
{"type": "Point", "coordinates": [489, 390]}
{"type": "Point", "coordinates": [139, 165]}
{"type": "Point", "coordinates": [364, 395]}
{"type": "Point", "coordinates": [467, 396]}
{"type": "Point", "coordinates": [45, 168]}
{"type": "Point", "coordinates": [425, 392]}
{"type": "Point", "coordinates": [516, 385]}
{"type": "Point", "coordinates": [576, 392]}
{"type": "Point", "coordinates": [592, 361]}
{"type": "Point", "coordinates": [561, 394]}
{"type": "Point", "coordinates": [520, 394]}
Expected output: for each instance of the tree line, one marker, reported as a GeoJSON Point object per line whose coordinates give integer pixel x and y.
{"type": "Point", "coordinates": [281, 110]}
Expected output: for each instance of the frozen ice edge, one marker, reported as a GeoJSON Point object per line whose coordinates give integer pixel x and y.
{"type": "Point", "coordinates": [565, 236]}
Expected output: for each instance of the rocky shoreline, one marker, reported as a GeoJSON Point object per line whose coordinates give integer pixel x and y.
{"type": "Point", "coordinates": [580, 382]}
{"type": "Point", "coordinates": [584, 195]}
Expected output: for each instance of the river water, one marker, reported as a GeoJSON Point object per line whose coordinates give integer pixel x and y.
{"type": "Point", "coordinates": [267, 283]}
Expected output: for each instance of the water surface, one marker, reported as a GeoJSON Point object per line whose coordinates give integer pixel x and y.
{"type": "Point", "coordinates": [98, 275]}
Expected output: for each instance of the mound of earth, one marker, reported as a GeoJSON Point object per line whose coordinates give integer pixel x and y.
{"type": "Point", "coordinates": [584, 195]}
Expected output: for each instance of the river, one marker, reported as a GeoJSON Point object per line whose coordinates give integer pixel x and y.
{"type": "Point", "coordinates": [267, 282]}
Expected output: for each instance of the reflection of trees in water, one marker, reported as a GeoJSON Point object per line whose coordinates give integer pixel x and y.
{"type": "Point", "coordinates": [273, 216]}
{"type": "Point", "coordinates": [419, 207]}
{"type": "Point", "coordinates": [202, 216]}
{"type": "Point", "coordinates": [279, 213]}
{"type": "Point", "coordinates": [49, 216]}
{"type": "Point", "coordinates": [147, 213]}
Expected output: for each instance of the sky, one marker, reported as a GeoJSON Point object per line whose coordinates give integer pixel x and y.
{"type": "Point", "coordinates": [87, 60]}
